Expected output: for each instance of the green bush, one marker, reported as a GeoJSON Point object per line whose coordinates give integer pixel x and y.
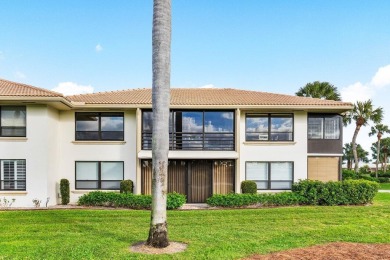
{"type": "Point", "coordinates": [175, 200]}
{"type": "Point", "coordinates": [367, 177]}
{"type": "Point", "coordinates": [349, 192]}
{"type": "Point", "coordinates": [128, 200]}
{"type": "Point", "coordinates": [126, 186]}
{"type": "Point", "coordinates": [233, 200]}
{"type": "Point", "coordinates": [65, 191]}
{"type": "Point", "coordinates": [349, 174]}
{"type": "Point", "coordinates": [383, 179]}
{"type": "Point", "coordinates": [249, 187]}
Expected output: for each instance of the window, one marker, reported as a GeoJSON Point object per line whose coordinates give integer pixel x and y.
{"type": "Point", "coordinates": [13, 175]}
{"type": "Point", "coordinates": [99, 126]}
{"type": "Point", "coordinates": [194, 130]}
{"type": "Point", "coordinates": [13, 121]}
{"type": "Point", "coordinates": [99, 175]}
{"type": "Point", "coordinates": [269, 127]}
{"type": "Point", "coordinates": [323, 127]}
{"type": "Point", "coordinates": [270, 175]}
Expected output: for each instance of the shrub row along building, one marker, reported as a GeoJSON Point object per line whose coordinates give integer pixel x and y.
{"type": "Point", "coordinates": [218, 138]}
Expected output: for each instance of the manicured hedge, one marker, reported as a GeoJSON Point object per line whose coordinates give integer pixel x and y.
{"type": "Point", "coordinates": [65, 191]}
{"type": "Point", "coordinates": [264, 199]}
{"type": "Point", "coordinates": [249, 187]}
{"type": "Point", "coordinates": [126, 186]}
{"type": "Point", "coordinates": [306, 192]}
{"type": "Point", "coordinates": [127, 200]}
{"type": "Point", "coordinates": [349, 192]}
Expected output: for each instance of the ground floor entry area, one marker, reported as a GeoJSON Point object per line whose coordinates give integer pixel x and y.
{"type": "Point", "coordinates": [197, 179]}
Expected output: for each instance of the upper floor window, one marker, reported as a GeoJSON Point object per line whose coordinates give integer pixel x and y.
{"type": "Point", "coordinates": [269, 127]}
{"type": "Point", "coordinates": [194, 130]}
{"type": "Point", "coordinates": [324, 127]}
{"type": "Point", "coordinates": [13, 121]}
{"type": "Point", "coordinates": [12, 174]}
{"type": "Point", "coordinates": [99, 126]}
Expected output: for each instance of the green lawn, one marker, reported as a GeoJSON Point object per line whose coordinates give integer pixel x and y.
{"type": "Point", "coordinates": [384, 186]}
{"type": "Point", "coordinates": [211, 234]}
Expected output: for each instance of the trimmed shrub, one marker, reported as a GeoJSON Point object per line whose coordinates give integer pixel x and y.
{"type": "Point", "coordinates": [383, 179]}
{"type": "Point", "coordinates": [349, 174]}
{"type": "Point", "coordinates": [175, 200]}
{"type": "Point", "coordinates": [233, 200]}
{"type": "Point", "coordinates": [249, 187]}
{"type": "Point", "coordinates": [126, 186]}
{"type": "Point", "coordinates": [349, 192]}
{"type": "Point", "coordinates": [128, 200]}
{"type": "Point", "coordinates": [65, 191]}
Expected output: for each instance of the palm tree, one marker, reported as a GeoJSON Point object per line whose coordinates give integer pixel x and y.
{"type": "Point", "coordinates": [378, 130]}
{"type": "Point", "coordinates": [161, 65]}
{"type": "Point", "coordinates": [383, 151]}
{"type": "Point", "coordinates": [362, 113]}
{"type": "Point", "coordinates": [323, 90]}
{"type": "Point", "coordinates": [348, 154]}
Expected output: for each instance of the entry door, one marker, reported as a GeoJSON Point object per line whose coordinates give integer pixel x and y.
{"type": "Point", "coordinates": [199, 181]}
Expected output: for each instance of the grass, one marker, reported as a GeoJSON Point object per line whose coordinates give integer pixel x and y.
{"type": "Point", "coordinates": [211, 234]}
{"type": "Point", "coordinates": [384, 186]}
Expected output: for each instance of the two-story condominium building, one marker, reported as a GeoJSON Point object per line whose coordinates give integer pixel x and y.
{"type": "Point", "coordinates": [218, 138]}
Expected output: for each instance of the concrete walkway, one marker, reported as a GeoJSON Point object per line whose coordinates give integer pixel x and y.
{"type": "Point", "coordinates": [387, 191]}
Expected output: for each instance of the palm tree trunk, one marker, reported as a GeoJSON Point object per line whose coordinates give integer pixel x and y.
{"type": "Point", "coordinates": [158, 233]}
{"type": "Point", "coordinates": [354, 148]}
{"type": "Point", "coordinates": [377, 157]}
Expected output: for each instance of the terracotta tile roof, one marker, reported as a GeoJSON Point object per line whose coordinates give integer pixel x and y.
{"type": "Point", "coordinates": [204, 97]}
{"type": "Point", "coordinates": [10, 88]}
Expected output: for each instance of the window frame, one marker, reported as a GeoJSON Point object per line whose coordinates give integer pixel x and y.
{"type": "Point", "coordinates": [269, 116]}
{"type": "Point", "coordinates": [323, 117]}
{"type": "Point", "coordinates": [99, 180]}
{"type": "Point", "coordinates": [175, 135]}
{"type": "Point", "coordinates": [269, 174]}
{"type": "Point", "coordinates": [25, 175]}
{"type": "Point", "coordinates": [99, 114]}
{"type": "Point", "coordinates": [18, 127]}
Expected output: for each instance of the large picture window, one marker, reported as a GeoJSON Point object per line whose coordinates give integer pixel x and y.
{"type": "Point", "coordinates": [269, 127]}
{"type": "Point", "coordinates": [99, 126]}
{"type": "Point", "coordinates": [194, 130]}
{"type": "Point", "coordinates": [324, 127]}
{"type": "Point", "coordinates": [99, 175]}
{"type": "Point", "coordinates": [13, 175]}
{"type": "Point", "coordinates": [13, 121]}
{"type": "Point", "coordinates": [270, 175]}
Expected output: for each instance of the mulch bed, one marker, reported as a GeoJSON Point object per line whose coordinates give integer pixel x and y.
{"type": "Point", "coordinates": [334, 251]}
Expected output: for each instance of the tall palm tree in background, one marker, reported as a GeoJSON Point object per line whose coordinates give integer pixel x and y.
{"type": "Point", "coordinates": [161, 65]}
{"type": "Point", "coordinates": [348, 154]}
{"type": "Point", "coordinates": [378, 130]}
{"type": "Point", "coordinates": [322, 90]}
{"type": "Point", "coordinates": [362, 113]}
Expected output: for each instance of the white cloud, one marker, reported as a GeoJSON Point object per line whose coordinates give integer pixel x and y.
{"type": "Point", "coordinates": [356, 92]}
{"type": "Point", "coordinates": [207, 86]}
{"type": "Point", "coordinates": [71, 88]}
{"type": "Point", "coordinates": [382, 77]}
{"type": "Point", "coordinates": [19, 75]}
{"type": "Point", "coordinates": [98, 48]}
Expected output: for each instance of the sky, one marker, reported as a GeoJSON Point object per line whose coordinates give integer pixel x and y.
{"type": "Point", "coordinates": [274, 46]}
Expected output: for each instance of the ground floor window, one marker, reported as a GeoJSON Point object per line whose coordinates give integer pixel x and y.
{"type": "Point", "coordinates": [99, 175]}
{"type": "Point", "coordinates": [270, 175]}
{"type": "Point", "coordinates": [323, 168]}
{"type": "Point", "coordinates": [13, 174]}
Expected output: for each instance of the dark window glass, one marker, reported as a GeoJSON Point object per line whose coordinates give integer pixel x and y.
{"type": "Point", "coordinates": [270, 175]}
{"type": "Point", "coordinates": [99, 175]}
{"type": "Point", "coordinates": [99, 126]}
{"type": "Point", "coordinates": [269, 127]}
{"type": "Point", "coordinates": [323, 127]}
{"type": "Point", "coordinates": [13, 121]}
{"type": "Point", "coordinates": [194, 130]}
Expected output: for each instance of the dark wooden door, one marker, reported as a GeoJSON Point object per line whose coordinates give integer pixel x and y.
{"type": "Point", "coordinates": [199, 181]}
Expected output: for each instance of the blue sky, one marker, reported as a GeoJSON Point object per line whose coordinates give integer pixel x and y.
{"type": "Point", "coordinates": [274, 46]}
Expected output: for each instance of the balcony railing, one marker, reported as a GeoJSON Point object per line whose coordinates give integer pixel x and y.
{"type": "Point", "coordinates": [219, 141]}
